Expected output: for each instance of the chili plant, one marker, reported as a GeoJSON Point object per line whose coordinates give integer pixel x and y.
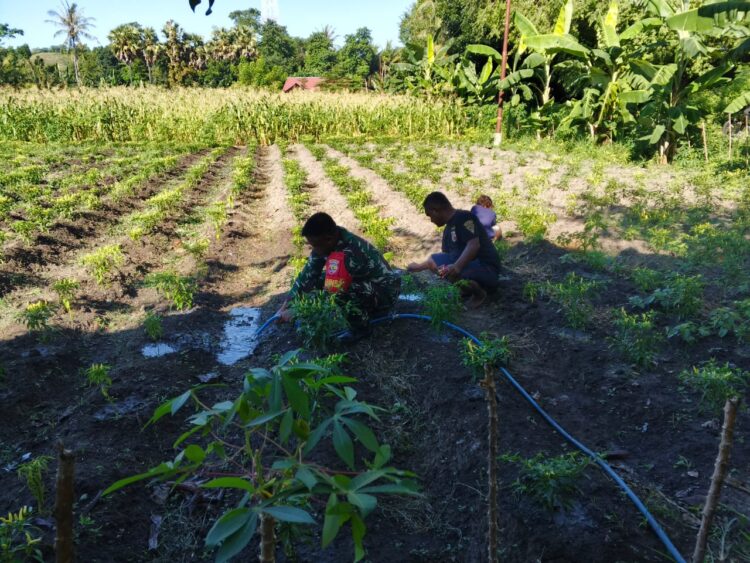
{"type": "Point", "coordinates": [716, 383]}
{"type": "Point", "coordinates": [442, 302]}
{"type": "Point", "coordinates": [98, 375]}
{"type": "Point", "coordinates": [17, 537]}
{"type": "Point", "coordinates": [102, 262]}
{"type": "Point", "coordinates": [550, 481]}
{"type": "Point", "coordinates": [32, 474]}
{"type": "Point", "coordinates": [636, 336]}
{"type": "Point", "coordinates": [261, 446]}
{"type": "Point", "coordinates": [152, 325]}
{"type": "Point", "coordinates": [318, 317]}
{"type": "Point", "coordinates": [180, 290]}
{"type": "Point", "coordinates": [66, 289]}
{"type": "Point", "coordinates": [36, 316]}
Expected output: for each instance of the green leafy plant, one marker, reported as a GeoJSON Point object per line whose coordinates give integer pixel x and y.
{"type": "Point", "coordinates": [98, 375]}
{"type": "Point", "coordinates": [152, 326]}
{"type": "Point", "coordinates": [102, 262]}
{"type": "Point", "coordinates": [682, 295]}
{"type": "Point", "coordinates": [32, 474]}
{"type": "Point", "coordinates": [260, 446]}
{"type": "Point", "coordinates": [492, 352]}
{"type": "Point", "coordinates": [36, 316]}
{"type": "Point", "coordinates": [442, 302]}
{"type": "Point", "coordinates": [217, 213]}
{"type": "Point", "coordinates": [19, 539]}
{"type": "Point", "coordinates": [646, 279]}
{"type": "Point", "coordinates": [550, 481]}
{"type": "Point", "coordinates": [197, 249]}
{"type": "Point", "coordinates": [716, 383]}
{"type": "Point", "coordinates": [534, 222]}
{"type": "Point", "coordinates": [180, 290]}
{"type": "Point", "coordinates": [636, 336]}
{"type": "Point", "coordinates": [571, 295]}
{"type": "Point", "coordinates": [66, 290]}
{"type": "Point", "coordinates": [318, 317]}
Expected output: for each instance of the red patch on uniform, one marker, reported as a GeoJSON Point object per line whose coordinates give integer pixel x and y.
{"type": "Point", "coordinates": [337, 276]}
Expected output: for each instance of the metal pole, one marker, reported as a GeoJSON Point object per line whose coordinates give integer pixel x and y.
{"type": "Point", "coordinates": [499, 127]}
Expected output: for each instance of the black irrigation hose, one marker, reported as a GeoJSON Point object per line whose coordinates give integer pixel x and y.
{"type": "Point", "coordinates": [552, 422]}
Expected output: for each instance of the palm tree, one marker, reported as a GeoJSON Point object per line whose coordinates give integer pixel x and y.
{"type": "Point", "coordinates": [126, 44]}
{"type": "Point", "coordinates": [151, 50]}
{"type": "Point", "coordinates": [74, 26]}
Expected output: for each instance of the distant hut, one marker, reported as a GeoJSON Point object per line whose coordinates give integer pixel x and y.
{"type": "Point", "coordinates": [302, 83]}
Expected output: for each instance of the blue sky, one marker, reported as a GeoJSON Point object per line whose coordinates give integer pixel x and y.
{"type": "Point", "coordinates": [299, 16]}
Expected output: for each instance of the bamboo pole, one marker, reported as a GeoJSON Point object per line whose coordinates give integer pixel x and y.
{"type": "Point", "coordinates": [705, 142]}
{"type": "Point", "coordinates": [489, 388]}
{"type": "Point", "coordinates": [721, 468]}
{"type": "Point", "coordinates": [64, 538]}
{"type": "Point", "coordinates": [497, 141]}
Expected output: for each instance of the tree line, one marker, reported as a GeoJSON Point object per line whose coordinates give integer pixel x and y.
{"type": "Point", "coordinates": [250, 52]}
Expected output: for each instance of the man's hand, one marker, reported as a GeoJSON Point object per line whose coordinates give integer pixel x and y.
{"type": "Point", "coordinates": [284, 313]}
{"type": "Point", "coordinates": [415, 267]}
{"type": "Point", "coordinates": [450, 272]}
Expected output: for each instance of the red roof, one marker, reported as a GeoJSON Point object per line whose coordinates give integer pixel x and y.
{"type": "Point", "coordinates": [304, 82]}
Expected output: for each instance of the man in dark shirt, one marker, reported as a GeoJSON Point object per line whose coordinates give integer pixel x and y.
{"type": "Point", "coordinates": [468, 254]}
{"type": "Point", "coordinates": [349, 267]}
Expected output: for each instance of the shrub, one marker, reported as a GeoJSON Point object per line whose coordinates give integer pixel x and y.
{"type": "Point", "coordinates": [550, 481]}
{"type": "Point", "coordinates": [36, 316]}
{"type": "Point", "coordinates": [636, 336]}
{"type": "Point", "coordinates": [32, 474]}
{"type": "Point", "coordinates": [102, 262]}
{"type": "Point", "coordinates": [716, 383]}
{"type": "Point", "coordinates": [180, 290]}
{"type": "Point", "coordinates": [492, 352]}
{"type": "Point", "coordinates": [152, 325]}
{"type": "Point", "coordinates": [98, 375]}
{"type": "Point", "coordinates": [318, 318]}
{"type": "Point", "coordinates": [571, 294]}
{"type": "Point", "coordinates": [442, 302]}
{"type": "Point", "coordinates": [65, 289]}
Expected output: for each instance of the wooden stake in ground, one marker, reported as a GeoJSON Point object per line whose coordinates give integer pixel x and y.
{"type": "Point", "coordinates": [267, 539]}
{"type": "Point", "coordinates": [64, 538]}
{"type": "Point", "coordinates": [705, 142]}
{"type": "Point", "coordinates": [717, 479]}
{"type": "Point", "coordinates": [731, 135]}
{"type": "Point", "coordinates": [489, 388]}
{"type": "Point", "coordinates": [503, 66]}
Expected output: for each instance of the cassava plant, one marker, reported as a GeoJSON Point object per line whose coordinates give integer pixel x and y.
{"type": "Point", "coordinates": [66, 290]}
{"type": "Point", "coordinates": [180, 290]}
{"type": "Point", "coordinates": [260, 445]}
{"type": "Point", "coordinates": [98, 375]}
{"type": "Point", "coordinates": [103, 262]}
{"type": "Point", "coordinates": [152, 326]}
{"type": "Point", "coordinates": [442, 302]}
{"type": "Point", "coordinates": [492, 352]}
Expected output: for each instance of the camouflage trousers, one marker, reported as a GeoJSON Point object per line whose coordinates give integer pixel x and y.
{"type": "Point", "coordinates": [364, 301]}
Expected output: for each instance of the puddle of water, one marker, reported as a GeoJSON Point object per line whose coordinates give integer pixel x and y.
{"type": "Point", "coordinates": [157, 350]}
{"type": "Point", "coordinates": [410, 297]}
{"type": "Point", "coordinates": [239, 340]}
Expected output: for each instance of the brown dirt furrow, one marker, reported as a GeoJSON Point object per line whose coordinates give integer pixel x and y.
{"type": "Point", "coordinates": [71, 236]}
{"type": "Point", "coordinates": [271, 171]}
{"type": "Point", "coordinates": [249, 263]}
{"type": "Point", "coordinates": [415, 234]}
{"type": "Point", "coordinates": [324, 196]}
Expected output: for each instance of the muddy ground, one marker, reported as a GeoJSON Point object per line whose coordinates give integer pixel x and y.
{"type": "Point", "coordinates": [436, 420]}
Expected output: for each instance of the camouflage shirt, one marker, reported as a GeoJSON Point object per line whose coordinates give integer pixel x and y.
{"type": "Point", "coordinates": [362, 260]}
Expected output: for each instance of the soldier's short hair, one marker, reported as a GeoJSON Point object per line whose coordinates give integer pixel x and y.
{"type": "Point", "coordinates": [319, 225]}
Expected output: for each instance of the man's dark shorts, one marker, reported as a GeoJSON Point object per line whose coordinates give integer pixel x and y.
{"type": "Point", "coordinates": [474, 270]}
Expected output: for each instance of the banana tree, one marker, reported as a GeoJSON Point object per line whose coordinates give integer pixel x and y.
{"type": "Point", "coordinates": [544, 47]}
{"type": "Point", "coordinates": [426, 69]}
{"type": "Point", "coordinates": [669, 114]}
{"type": "Point", "coordinates": [610, 89]}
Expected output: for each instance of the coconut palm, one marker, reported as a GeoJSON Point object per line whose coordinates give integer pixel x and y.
{"type": "Point", "coordinates": [75, 26]}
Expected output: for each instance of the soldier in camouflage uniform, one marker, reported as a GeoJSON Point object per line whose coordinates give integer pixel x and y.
{"type": "Point", "coordinates": [349, 267]}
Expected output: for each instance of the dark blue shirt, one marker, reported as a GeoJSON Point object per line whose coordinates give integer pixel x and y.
{"type": "Point", "coordinates": [463, 227]}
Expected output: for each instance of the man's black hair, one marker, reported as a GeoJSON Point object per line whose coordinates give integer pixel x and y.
{"type": "Point", "coordinates": [319, 225]}
{"type": "Point", "coordinates": [436, 200]}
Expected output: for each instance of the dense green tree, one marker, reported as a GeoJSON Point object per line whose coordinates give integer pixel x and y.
{"type": "Point", "coordinates": [259, 73]}
{"type": "Point", "coordinates": [75, 26]}
{"type": "Point", "coordinates": [126, 42]}
{"type": "Point", "coordinates": [247, 18]}
{"type": "Point", "coordinates": [278, 48]}
{"type": "Point", "coordinates": [419, 21]}
{"type": "Point", "coordinates": [358, 56]}
{"type": "Point", "coordinates": [320, 53]}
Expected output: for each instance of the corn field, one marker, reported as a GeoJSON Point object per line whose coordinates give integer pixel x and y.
{"type": "Point", "coordinates": [218, 116]}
